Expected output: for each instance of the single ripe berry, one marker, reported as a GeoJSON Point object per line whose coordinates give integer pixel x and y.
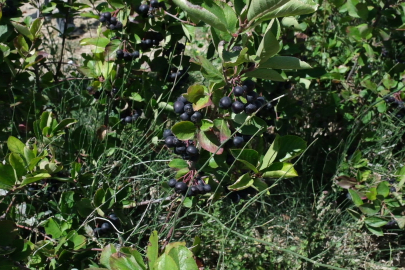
{"type": "Point", "coordinates": [184, 117]}
{"type": "Point", "coordinates": [154, 3]}
{"type": "Point", "coordinates": [261, 101]}
{"type": "Point", "coordinates": [127, 56]}
{"type": "Point", "coordinates": [135, 54]}
{"type": "Point", "coordinates": [113, 20]}
{"type": "Point", "coordinates": [169, 141]}
{"type": "Point", "coordinates": [155, 42]}
{"type": "Point", "coordinates": [393, 189]}
{"type": "Point", "coordinates": [120, 54]}
{"type": "Point", "coordinates": [183, 99]}
{"type": "Point", "coordinates": [148, 43]}
{"type": "Point", "coordinates": [194, 190]}
{"type": "Point", "coordinates": [106, 226]}
{"type": "Point", "coordinates": [177, 142]}
{"type": "Point", "coordinates": [238, 141]}
{"type": "Point", "coordinates": [114, 91]}
{"type": "Point", "coordinates": [238, 91]}
{"type": "Point", "coordinates": [107, 15]}
{"type": "Point", "coordinates": [113, 217]}
{"type": "Point", "coordinates": [188, 108]}
{"type": "Point", "coordinates": [180, 150]}
{"type": "Point", "coordinates": [238, 107]}
{"type": "Point", "coordinates": [196, 117]}
{"type": "Point", "coordinates": [200, 182]}
{"type": "Point", "coordinates": [250, 108]}
{"type": "Point", "coordinates": [250, 85]}
{"type": "Point", "coordinates": [172, 183]}
{"type": "Point", "coordinates": [236, 48]}
{"type": "Point", "coordinates": [143, 9]}
{"type": "Point", "coordinates": [102, 18]}
{"type": "Point", "coordinates": [225, 103]}
{"type": "Point", "coordinates": [167, 133]}
{"type": "Point", "coordinates": [192, 150]}
{"type": "Point", "coordinates": [207, 188]}
{"type": "Point", "coordinates": [112, 27]}
{"type": "Point", "coordinates": [180, 187]}
{"type": "Point", "coordinates": [128, 119]}
{"type": "Point", "coordinates": [118, 26]}
{"type": "Point", "coordinates": [251, 97]}
{"type": "Point", "coordinates": [200, 189]}
{"type": "Point", "coordinates": [389, 99]}
{"type": "Point", "coordinates": [178, 107]}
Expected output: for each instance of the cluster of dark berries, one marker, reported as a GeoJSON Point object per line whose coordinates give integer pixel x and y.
{"type": "Point", "coordinates": [396, 104]}
{"type": "Point", "coordinates": [111, 22]}
{"type": "Point", "coordinates": [106, 226]}
{"type": "Point", "coordinates": [186, 149]}
{"type": "Point", "coordinates": [253, 102]}
{"type": "Point", "coordinates": [151, 39]}
{"type": "Point", "coordinates": [147, 11]}
{"type": "Point", "coordinates": [185, 109]}
{"type": "Point", "coordinates": [181, 188]}
{"type": "Point", "coordinates": [127, 56]}
{"type": "Point", "coordinates": [9, 9]}
{"type": "Point", "coordinates": [130, 116]}
{"type": "Point", "coordinates": [179, 74]}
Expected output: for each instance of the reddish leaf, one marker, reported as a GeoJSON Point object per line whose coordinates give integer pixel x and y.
{"type": "Point", "coordinates": [209, 142]}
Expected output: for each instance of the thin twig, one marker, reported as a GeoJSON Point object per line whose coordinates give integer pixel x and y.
{"type": "Point", "coordinates": [186, 22]}
{"type": "Point", "coordinates": [36, 231]}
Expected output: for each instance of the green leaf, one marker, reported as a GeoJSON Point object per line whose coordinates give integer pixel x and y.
{"type": "Point", "coordinates": [203, 102]}
{"type": "Point", "coordinates": [36, 27]}
{"type": "Point", "coordinates": [271, 154]}
{"type": "Point", "coordinates": [284, 62]}
{"type": "Point", "coordinates": [355, 197]}
{"type": "Point", "coordinates": [53, 228]}
{"type": "Point", "coordinates": [184, 130]}
{"type": "Point", "coordinates": [249, 155]}
{"type": "Point", "coordinates": [292, 8]}
{"type": "Point", "coordinates": [99, 197]}
{"type": "Point", "coordinates": [383, 189]}
{"type": "Point", "coordinates": [269, 45]}
{"type": "Point", "coordinates": [190, 202]}
{"type": "Point", "coordinates": [23, 30]}
{"type": "Point", "coordinates": [9, 233]}
{"type": "Point", "coordinates": [209, 71]}
{"type": "Point", "coordinates": [195, 92]}
{"type": "Point", "coordinates": [21, 45]}
{"type": "Point", "coordinates": [243, 182]}
{"type": "Point", "coordinates": [200, 13]}
{"type": "Point", "coordinates": [76, 240]}
{"type": "Point", "coordinates": [280, 170]}
{"type": "Point", "coordinates": [267, 74]}
{"type": "Point", "coordinates": [253, 126]}
{"type": "Point", "coordinates": [375, 221]}
{"type": "Point", "coordinates": [183, 258]}
{"type": "Point", "coordinates": [209, 142]}
{"type": "Point", "coordinates": [375, 231]}
{"type": "Point", "coordinates": [401, 222]}
{"type": "Point", "coordinates": [64, 124]}
{"type": "Point", "coordinates": [84, 207]}
{"type": "Point", "coordinates": [165, 262]}
{"type": "Point", "coordinates": [18, 164]}
{"type": "Point", "coordinates": [178, 164]}
{"type": "Point", "coordinates": [372, 194]}
{"type": "Point", "coordinates": [46, 120]}
{"type": "Point", "coordinates": [106, 254]}
{"type": "Point", "coordinates": [206, 124]}
{"type": "Point", "coordinates": [259, 8]}
{"type": "Point", "coordinates": [99, 42]}
{"type": "Point", "coordinates": [116, 3]}
{"type": "Point", "coordinates": [35, 178]}
{"type": "Point", "coordinates": [15, 145]}
{"type": "Point", "coordinates": [181, 172]}
{"type": "Point", "coordinates": [196, 247]}
{"type": "Point", "coordinates": [118, 261]}
{"type": "Point", "coordinates": [290, 146]}
{"type": "Point", "coordinates": [260, 185]}
{"type": "Point", "coordinates": [152, 250]}
{"type": "Point", "coordinates": [233, 59]}
{"type": "Point", "coordinates": [224, 131]}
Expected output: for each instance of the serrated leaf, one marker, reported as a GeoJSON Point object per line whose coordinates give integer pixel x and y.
{"type": "Point", "coordinates": [209, 142]}
{"type": "Point", "coordinates": [243, 182]}
{"type": "Point", "coordinates": [206, 124]}
{"type": "Point", "coordinates": [280, 170]}
{"type": "Point", "coordinates": [36, 27]}
{"type": "Point", "coordinates": [203, 102]}
{"type": "Point", "coordinates": [259, 8]}
{"type": "Point", "coordinates": [184, 130]}
{"type": "Point", "coordinates": [233, 59]}
{"type": "Point", "coordinates": [284, 62]}
{"type": "Point", "coordinates": [292, 8]}
{"type": "Point", "coordinates": [108, 250]}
